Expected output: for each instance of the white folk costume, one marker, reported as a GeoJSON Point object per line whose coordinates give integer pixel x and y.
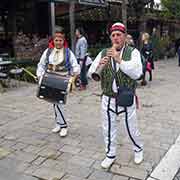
{"type": "Point", "coordinates": [67, 64]}
{"type": "Point", "coordinates": [128, 71]}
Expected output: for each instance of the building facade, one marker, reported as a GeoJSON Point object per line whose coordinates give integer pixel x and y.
{"type": "Point", "coordinates": [34, 17]}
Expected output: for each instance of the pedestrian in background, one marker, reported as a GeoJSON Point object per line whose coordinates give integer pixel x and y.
{"type": "Point", "coordinates": [147, 52]}
{"type": "Point", "coordinates": [130, 41]}
{"type": "Point", "coordinates": [155, 40]}
{"type": "Point", "coordinates": [81, 55]}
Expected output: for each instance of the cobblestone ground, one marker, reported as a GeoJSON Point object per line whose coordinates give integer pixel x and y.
{"type": "Point", "coordinates": [29, 151]}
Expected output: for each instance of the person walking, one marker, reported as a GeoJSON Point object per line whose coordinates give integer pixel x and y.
{"type": "Point", "coordinates": [81, 55]}
{"type": "Point", "coordinates": [121, 67]}
{"type": "Point", "coordinates": [147, 52]}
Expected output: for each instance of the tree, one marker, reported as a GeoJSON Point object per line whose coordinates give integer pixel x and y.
{"type": "Point", "coordinates": [72, 22]}
{"type": "Point", "coordinates": [138, 11]}
{"type": "Point", "coordinates": [171, 8]}
{"type": "Point", "coordinates": [138, 6]}
{"type": "Point", "coordinates": [124, 12]}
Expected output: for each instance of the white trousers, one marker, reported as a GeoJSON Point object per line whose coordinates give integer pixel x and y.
{"type": "Point", "coordinates": [110, 125]}
{"type": "Point", "coordinates": [59, 115]}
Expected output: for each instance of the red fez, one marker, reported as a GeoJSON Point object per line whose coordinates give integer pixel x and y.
{"type": "Point", "coordinates": [118, 27]}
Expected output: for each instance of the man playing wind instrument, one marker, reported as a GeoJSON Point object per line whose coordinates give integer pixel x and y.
{"type": "Point", "coordinates": [124, 63]}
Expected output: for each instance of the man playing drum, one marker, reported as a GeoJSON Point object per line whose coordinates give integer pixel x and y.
{"type": "Point", "coordinates": [62, 60]}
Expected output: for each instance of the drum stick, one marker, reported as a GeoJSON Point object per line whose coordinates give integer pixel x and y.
{"type": "Point", "coordinates": [69, 88]}
{"type": "Point", "coordinates": [28, 72]}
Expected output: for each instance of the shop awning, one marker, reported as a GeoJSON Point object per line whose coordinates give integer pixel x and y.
{"type": "Point", "coordinates": [93, 2]}
{"type": "Point", "coordinates": [85, 2]}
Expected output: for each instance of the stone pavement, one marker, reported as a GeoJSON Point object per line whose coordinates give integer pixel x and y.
{"type": "Point", "coordinates": [29, 151]}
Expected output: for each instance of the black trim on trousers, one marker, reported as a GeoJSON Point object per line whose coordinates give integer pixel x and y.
{"type": "Point", "coordinates": [109, 126]}
{"type": "Point", "coordinates": [139, 150]}
{"type": "Point", "coordinates": [55, 110]}
{"type": "Point", "coordinates": [116, 109]}
{"type": "Point", "coordinates": [61, 115]}
{"type": "Point", "coordinates": [111, 157]}
{"type": "Point", "coordinates": [127, 126]}
{"type": "Point", "coordinates": [62, 125]}
{"type": "Point", "coordinates": [117, 113]}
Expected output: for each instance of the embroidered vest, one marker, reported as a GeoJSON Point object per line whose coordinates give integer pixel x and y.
{"type": "Point", "coordinates": [122, 79]}
{"type": "Point", "coordinates": [64, 66]}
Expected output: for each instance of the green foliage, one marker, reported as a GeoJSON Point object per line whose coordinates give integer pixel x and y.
{"type": "Point", "coordinates": [94, 50]}
{"type": "Point", "coordinates": [171, 8]}
{"type": "Point", "coordinates": [140, 2]}
{"type": "Point", "coordinates": [138, 5]}
{"type": "Point", "coordinates": [163, 47]}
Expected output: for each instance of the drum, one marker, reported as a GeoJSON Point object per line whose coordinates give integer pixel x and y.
{"type": "Point", "coordinates": [53, 87]}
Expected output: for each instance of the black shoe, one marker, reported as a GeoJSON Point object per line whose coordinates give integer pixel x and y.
{"type": "Point", "coordinates": [143, 83]}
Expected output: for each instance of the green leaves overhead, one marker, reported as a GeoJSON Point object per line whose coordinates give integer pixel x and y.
{"type": "Point", "coordinates": [171, 8]}
{"type": "Point", "coordinates": [138, 5]}
{"type": "Point", "coordinates": [141, 2]}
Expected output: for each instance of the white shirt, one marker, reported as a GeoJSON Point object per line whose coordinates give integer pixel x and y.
{"type": "Point", "coordinates": [132, 68]}
{"type": "Point", "coordinates": [58, 56]}
{"type": "Point", "coordinates": [81, 48]}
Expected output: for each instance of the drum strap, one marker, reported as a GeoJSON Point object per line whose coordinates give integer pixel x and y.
{"type": "Point", "coordinates": [68, 64]}
{"type": "Point", "coordinates": [47, 58]}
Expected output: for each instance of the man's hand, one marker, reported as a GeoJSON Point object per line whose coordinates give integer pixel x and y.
{"type": "Point", "coordinates": [104, 61]}
{"type": "Point", "coordinates": [114, 54]}
{"type": "Point", "coordinates": [75, 74]}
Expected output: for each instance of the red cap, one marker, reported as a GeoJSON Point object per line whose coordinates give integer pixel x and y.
{"type": "Point", "coordinates": [118, 27]}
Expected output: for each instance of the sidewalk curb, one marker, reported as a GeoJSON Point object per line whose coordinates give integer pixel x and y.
{"type": "Point", "coordinates": [169, 165]}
